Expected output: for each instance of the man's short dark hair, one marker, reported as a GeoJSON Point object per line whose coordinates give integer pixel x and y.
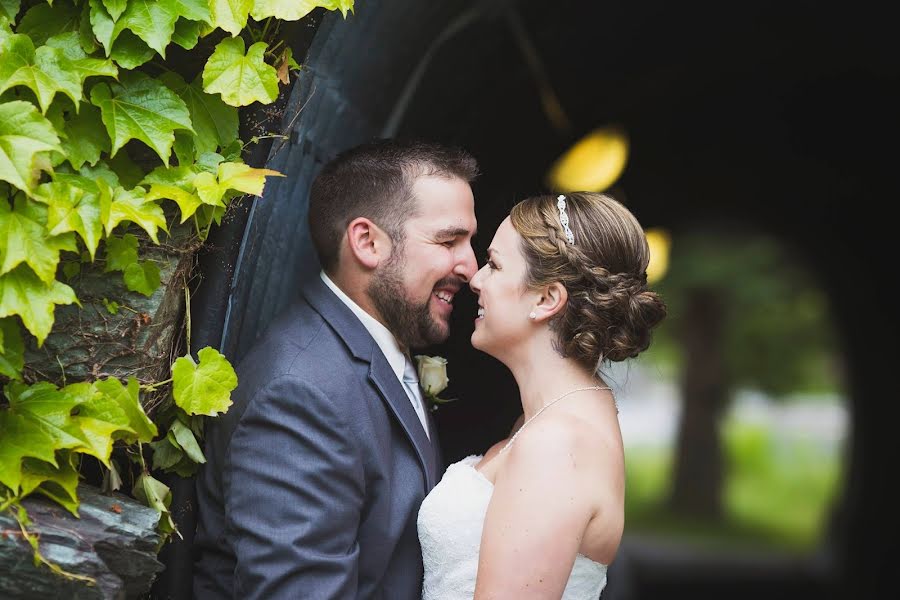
{"type": "Point", "coordinates": [375, 181]}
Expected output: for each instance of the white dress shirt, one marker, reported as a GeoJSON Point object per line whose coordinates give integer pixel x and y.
{"type": "Point", "coordinates": [397, 359]}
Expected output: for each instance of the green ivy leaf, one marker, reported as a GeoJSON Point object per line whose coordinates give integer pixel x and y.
{"type": "Point", "coordinates": [120, 405]}
{"type": "Point", "coordinates": [215, 123]}
{"type": "Point", "coordinates": [45, 71]}
{"type": "Point", "coordinates": [85, 33]}
{"type": "Point", "coordinates": [42, 21]}
{"type": "Point", "coordinates": [241, 80]}
{"type": "Point", "coordinates": [9, 9]}
{"type": "Point", "coordinates": [115, 8]}
{"type": "Point", "coordinates": [155, 494]}
{"type": "Point", "coordinates": [111, 306]}
{"type": "Point", "coordinates": [12, 354]}
{"type": "Point", "coordinates": [24, 238]}
{"type": "Point", "coordinates": [142, 277]}
{"type": "Point", "coordinates": [231, 176]}
{"type": "Point", "coordinates": [102, 25]}
{"type": "Point", "coordinates": [72, 208]}
{"type": "Point", "coordinates": [205, 388]}
{"type": "Point", "coordinates": [174, 183]}
{"type": "Point", "coordinates": [20, 440]}
{"type": "Point", "coordinates": [289, 10]}
{"type": "Point", "coordinates": [84, 135]}
{"type": "Point", "coordinates": [184, 148]}
{"type": "Point", "coordinates": [243, 178]}
{"type": "Point", "coordinates": [23, 293]}
{"type": "Point", "coordinates": [130, 51]}
{"type": "Point", "coordinates": [154, 20]}
{"type": "Point", "coordinates": [50, 410]}
{"type": "Point", "coordinates": [57, 483]}
{"type": "Point", "coordinates": [25, 139]}
{"type": "Point", "coordinates": [166, 453]}
{"type": "Point", "coordinates": [208, 189]}
{"type": "Point", "coordinates": [187, 441]}
{"type": "Point", "coordinates": [344, 6]}
{"type": "Point", "coordinates": [186, 201]}
{"type": "Point", "coordinates": [118, 205]}
{"type": "Point", "coordinates": [187, 33]}
{"type": "Point", "coordinates": [230, 15]}
{"type": "Point", "coordinates": [121, 252]}
{"type": "Point", "coordinates": [84, 66]}
{"type": "Point", "coordinates": [141, 108]}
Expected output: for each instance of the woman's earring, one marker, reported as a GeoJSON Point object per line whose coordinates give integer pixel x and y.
{"type": "Point", "coordinates": [532, 315]}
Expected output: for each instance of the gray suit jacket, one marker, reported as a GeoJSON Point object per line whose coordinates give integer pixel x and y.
{"type": "Point", "coordinates": [315, 474]}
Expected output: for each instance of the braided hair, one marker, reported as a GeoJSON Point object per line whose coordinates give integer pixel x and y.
{"type": "Point", "coordinates": [610, 310]}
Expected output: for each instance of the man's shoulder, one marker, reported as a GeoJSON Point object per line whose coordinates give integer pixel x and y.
{"type": "Point", "coordinates": [296, 341]}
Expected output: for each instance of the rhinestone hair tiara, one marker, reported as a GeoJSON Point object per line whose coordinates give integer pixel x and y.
{"type": "Point", "coordinates": [564, 218]}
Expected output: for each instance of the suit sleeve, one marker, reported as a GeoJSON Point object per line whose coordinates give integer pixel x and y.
{"type": "Point", "coordinates": [294, 489]}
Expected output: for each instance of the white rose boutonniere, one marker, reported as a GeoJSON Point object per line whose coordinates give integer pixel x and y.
{"type": "Point", "coordinates": [433, 379]}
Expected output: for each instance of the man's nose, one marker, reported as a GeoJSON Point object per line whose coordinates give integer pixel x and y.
{"type": "Point", "coordinates": [466, 265]}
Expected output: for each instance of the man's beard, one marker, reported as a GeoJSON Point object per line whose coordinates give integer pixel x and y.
{"type": "Point", "coordinates": [411, 323]}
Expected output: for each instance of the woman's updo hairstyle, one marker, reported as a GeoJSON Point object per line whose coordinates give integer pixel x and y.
{"type": "Point", "coordinates": [610, 311]}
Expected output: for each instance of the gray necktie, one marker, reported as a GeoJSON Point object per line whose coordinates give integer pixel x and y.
{"type": "Point", "coordinates": [411, 384]}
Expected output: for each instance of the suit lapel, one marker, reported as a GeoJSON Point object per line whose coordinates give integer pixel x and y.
{"type": "Point", "coordinates": [383, 378]}
{"type": "Point", "coordinates": [363, 347]}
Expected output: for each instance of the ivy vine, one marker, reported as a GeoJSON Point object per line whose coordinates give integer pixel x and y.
{"type": "Point", "coordinates": [107, 148]}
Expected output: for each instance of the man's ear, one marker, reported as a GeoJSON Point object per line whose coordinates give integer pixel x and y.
{"type": "Point", "coordinates": [368, 244]}
{"type": "Point", "coordinates": [552, 301]}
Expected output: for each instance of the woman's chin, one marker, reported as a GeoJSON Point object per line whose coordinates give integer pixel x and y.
{"type": "Point", "coordinates": [476, 340]}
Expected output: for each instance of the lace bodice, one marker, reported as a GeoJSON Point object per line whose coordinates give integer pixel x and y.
{"type": "Point", "coordinates": [450, 523]}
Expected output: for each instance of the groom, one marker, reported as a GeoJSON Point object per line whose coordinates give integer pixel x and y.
{"type": "Point", "coordinates": [316, 473]}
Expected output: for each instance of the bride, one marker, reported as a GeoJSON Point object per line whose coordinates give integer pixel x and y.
{"type": "Point", "coordinates": [541, 514]}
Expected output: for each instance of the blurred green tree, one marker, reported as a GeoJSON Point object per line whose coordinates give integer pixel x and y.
{"type": "Point", "coordinates": [744, 312]}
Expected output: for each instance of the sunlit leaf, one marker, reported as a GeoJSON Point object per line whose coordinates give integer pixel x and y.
{"type": "Point", "coordinates": [230, 15]}
{"type": "Point", "coordinates": [72, 208]}
{"type": "Point", "coordinates": [154, 20]}
{"type": "Point", "coordinates": [9, 9]}
{"type": "Point", "coordinates": [243, 178]}
{"type": "Point", "coordinates": [21, 439]}
{"type": "Point", "coordinates": [120, 205]}
{"type": "Point", "coordinates": [240, 79]}
{"type": "Point", "coordinates": [115, 8]}
{"type": "Point", "coordinates": [120, 405]}
{"type": "Point", "coordinates": [25, 138]}
{"type": "Point", "coordinates": [23, 293]}
{"type": "Point", "coordinates": [25, 239]}
{"type": "Point", "coordinates": [84, 66]}
{"type": "Point", "coordinates": [204, 388]}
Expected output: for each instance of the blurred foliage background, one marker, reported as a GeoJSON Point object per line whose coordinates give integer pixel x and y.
{"type": "Point", "coordinates": [751, 357]}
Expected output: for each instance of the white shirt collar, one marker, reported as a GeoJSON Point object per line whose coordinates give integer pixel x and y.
{"type": "Point", "coordinates": [381, 334]}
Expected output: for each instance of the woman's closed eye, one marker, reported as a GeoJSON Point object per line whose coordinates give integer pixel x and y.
{"type": "Point", "coordinates": [490, 263]}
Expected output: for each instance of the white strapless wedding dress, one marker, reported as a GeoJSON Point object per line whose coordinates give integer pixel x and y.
{"type": "Point", "coordinates": [450, 522]}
